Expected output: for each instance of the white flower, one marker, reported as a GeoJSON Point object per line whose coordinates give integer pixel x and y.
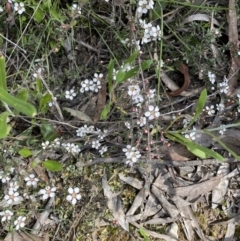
{"type": "Point", "coordinates": [143, 6]}
{"type": "Point", "coordinates": [142, 121]}
{"type": "Point", "coordinates": [133, 90]}
{"type": "Point", "coordinates": [127, 124]}
{"type": "Point", "coordinates": [31, 180]}
{"type": "Point", "coordinates": [103, 134]}
{"type": "Point", "coordinates": [56, 143]}
{"type": "Point", "coordinates": [220, 107]}
{"type": "Point", "coordinates": [138, 99]}
{"type": "Point", "coordinates": [223, 87]}
{"type": "Point", "coordinates": [1, 9]}
{"type": "Point", "coordinates": [4, 177]}
{"type": "Point", "coordinates": [86, 85]}
{"type": "Point", "coordinates": [132, 154]}
{"type": "Point", "coordinates": [212, 77]}
{"type": "Point", "coordinates": [45, 145]}
{"type": "Point", "coordinates": [19, 7]}
{"type": "Point", "coordinates": [76, 9]}
{"type": "Point", "coordinates": [48, 192]}
{"type": "Point", "coordinates": [11, 1]}
{"type": "Point", "coordinates": [222, 130]}
{"type": "Point", "coordinates": [74, 195]}
{"type": "Point", "coordinates": [50, 104]}
{"type": "Point", "coordinates": [96, 144]}
{"type": "Point", "coordinates": [192, 135]}
{"type": "Point", "coordinates": [6, 215]}
{"type": "Point", "coordinates": [72, 148]}
{"type": "Point", "coordinates": [152, 113]}
{"type": "Point", "coordinates": [38, 73]}
{"type": "Point", "coordinates": [13, 186]}
{"type": "Point", "coordinates": [11, 197]}
{"type": "Point", "coordinates": [20, 222]}
{"type": "Point", "coordinates": [70, 94]}
{"type": "Point", "coordinates": [103, 150]}
{"type": "Point", "coordinates": [185, 122]}
{"type": "Point", "coordinates": [210, 110]}
{"type": "Point", "coordinates": [151, 94]}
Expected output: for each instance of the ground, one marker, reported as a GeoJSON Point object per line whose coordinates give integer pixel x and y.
{"type": "Point", "coordinates": [119, 120]}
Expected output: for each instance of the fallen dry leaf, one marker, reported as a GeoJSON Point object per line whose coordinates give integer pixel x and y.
{"type": "Point", "coordinates": [21, 236]}
{"type": "Point", "coordinates": [114, 204]}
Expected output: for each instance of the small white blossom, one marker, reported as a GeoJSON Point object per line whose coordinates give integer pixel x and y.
{"type": "Point", "coordinates": [212, 77]}
{"type": "Point", "coordinates": [152, 113]}
{"type": "Point", "coordinates": [50, 104]}
{"type": "Point", "coordinates": [185, 122]}
{"type": "Point", "coordinates": [223, 87]}
{"type": "Point", "coordinates": [132, 154]}
{"type": "Point", "coordinates": [96, 144]}
{"type": "Point", "coordinates": [11, 197]}
{"type": "Point", "coordinates": [13, 186]}
{"type": "Point", "coordinates": [45, 145]}
{"type": "Point", "coordinates": [192, 135]}
{"type": "Point", "coordinates": [1, 9]}
{"type": "Point", "coordinates": [103, 150]}
{"type": "Point", "coordinates": [76, 9]}
{"type": "Point", "coordinates": [71, 148]}
{"type": "Point", "coordinates": [70, 94]}
{"type": "Point", "coordinates": [20, 222]}
{"type": "Point", "coordinates": [19, 7]}
{"type": "Point", "coordinates": [48, 192]}
{"type": "Point", "coordinates": [145, 5]}
{"type": "Point", "coordinates": [74, 195]}
{"type": "Point", "coordinates": [127, 124]}
{"type": "Point", "coordinates": [142, 121]}
{"type": "Point", "coordinates": [133, 90]}
{"type": "Point", "coordinates": [86, 85]}
{"type": "Point", "coordinates": [220, 107]}
{"type": "Point", "coordinates": [210, 110]}
{"type": "Point", "coordinates": [31, 180]}
{"type": "Point", "coordinates": [6, 215]}
{"type": "Point", "coordinates": [38, 73]}
{"type": "Point", "coordinates": [4, 177]}
{"type": "Point", "coordinates": [222, 130]}
{"type": "Point", "coordinates": [56, 143]}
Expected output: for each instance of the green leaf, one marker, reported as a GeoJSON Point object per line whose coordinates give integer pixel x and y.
{"type": "Point", "coordinates": [17, 104]}
{"type": "Point", "coordinates": [105, 111]}
{"type": "Point", "coordinates": [22, 94]}
{"type": "Point", "coordinates": [56, 15]}
{"type": "Point", "coordinates": [25, 152]}
{"type": "Point", "coordinates": [38, 15]}
{"type": "Point", "coordinates": [52, 165]}
{"type": "Point", "coordinates": [3, 82]}
{"type": "Point", "coordinates": [3, 124]}
{"type": "Point", "coordinates": [110, 75]}
{"type": "Point", "coordinates": [197, 150]}
{"type": "Point", "coordinates": [144, 234]}
{"type": "Point", "coordinates": [146, 64]}
{"type": "Point", "coordinates": [199, 108]}
{"type": "Point", "coordinates": [120, 75]}
{"type": "Point", "coordinates": [46, 130]}
{"type": "Point", "coordinates": [39, 86]}
{"type": "Point", "coordinates": [45, 100]}
{"type": "Point", "coordinates": [223, 145]}
{"type": "Point", "coordinates": [132, 57]}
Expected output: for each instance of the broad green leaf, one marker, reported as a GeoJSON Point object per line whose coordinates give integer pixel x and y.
{"type": "Point", "coordinates": [120, 75]}
{"type": "Point", "coordinates": [3, 124]}
{"type": "Point", "coordinates": [223, 145]}
{"type": "Point", "coordinates": [46, 130]}
{"type": "Point", "coordinates": [79, 114]}
{"type": "Point", "coordinates": [199, 151]}
{"type": "Point", "coordinates": [144, 234]}
{"type": "Point", "coordinates": [39, 86]}
{"type": "Point", "coordinates": [199, 108]}
{"type": "Point", "coordinates": [132, 57]}
{"type": "Point", "coordinates": [45, 100]}
{"type": "Point", "coordinates": [56, 15]}
{"type": "Point", "coordinates": [17, 104]}
{"type": "Point", "coordinates": [25, 152]}
{"type": "Point", "coordinates": [3, 82]}
{"type": "Point", "coordinates": [105, 111]}
{"type": "Point", "coordinates": [146, 64]}
{"type": "Point", "coordinates": [38, 15]}
{"type": "Point", "coordinates": [52, 165]}
{"type": "Point", "coordinates": [22, 94]}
